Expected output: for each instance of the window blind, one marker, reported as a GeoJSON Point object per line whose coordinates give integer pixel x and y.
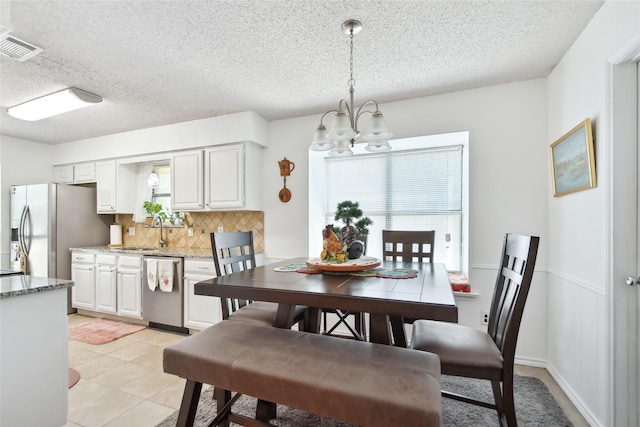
{"type": "Point", "coordinates": [418, 189]}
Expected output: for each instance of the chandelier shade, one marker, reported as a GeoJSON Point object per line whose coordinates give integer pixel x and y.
{"type": "Point", "coordinates": [343, 130]}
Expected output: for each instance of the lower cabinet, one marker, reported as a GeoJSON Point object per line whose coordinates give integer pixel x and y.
{"type": "Point", "coordinates": [83, 274]}
{"type": "Point", "coordinates": [106, 279]}
{"type": "Point", "coordinates": [200, 311]}
{"type": "Point", "coordinates": [129, 284]}
{"type": "Point", "coordinates": [107, 283]}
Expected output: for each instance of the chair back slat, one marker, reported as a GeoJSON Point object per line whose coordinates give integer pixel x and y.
{"type": "Point", "coordinates": [408, 246]}
{"type": "Point", "coordinates": [511, 291]}
{"type": "Point", "coordinates": [232, 252]}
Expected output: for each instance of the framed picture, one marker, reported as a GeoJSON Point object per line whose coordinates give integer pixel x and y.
{"type": "Point", "coordinates": [572, 161]}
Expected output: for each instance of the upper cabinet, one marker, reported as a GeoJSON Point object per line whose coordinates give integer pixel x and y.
{"type": "Point", "coordinates": [114, 184]}
{"type": "Point", "coordinates": [75, 174]}
{"type": "Point", "coordinates": [231, 178]}
{"type": "Point", "coordinates": [186, 181]}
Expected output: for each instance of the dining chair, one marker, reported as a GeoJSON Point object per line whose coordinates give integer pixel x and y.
{"type": "Point", "coordinates": [234, 252]}
{"type": "Point", "coordinates": [468, 352]}
{"type": "Point", "coordinates": [408, 246]}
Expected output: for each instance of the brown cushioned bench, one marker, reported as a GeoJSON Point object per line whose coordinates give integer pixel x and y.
{"type": "Point", "coordinates": [352, 381]}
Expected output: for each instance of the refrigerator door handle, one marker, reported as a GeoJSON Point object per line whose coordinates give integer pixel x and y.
{"type": "Point", "coordinates": [24, 218]}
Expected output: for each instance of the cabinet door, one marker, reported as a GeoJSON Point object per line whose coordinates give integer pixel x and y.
{"type": "Point", "coordinates": [186, 180]}
{"type": "Point", "coordinates": [63, 174]}
{"type": "Point", "coordinates": [224, 177]}
{"type": "Point", "coordinates": [200, 311]}
{"type": "Point", "coordinates": [106, 185]}
{"type": "Point", "coordinates": [84, 172]}
{"type": "Point", "coordinates": [83, 293]}
{"type": "Point", "coordinates": [130, 293]}
{"type": "Point", "coordinates": [106, 289]}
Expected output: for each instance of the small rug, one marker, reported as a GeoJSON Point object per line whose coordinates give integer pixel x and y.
{"type": "Point", "coordinates": [101, 331]}
{"type": "Point", "coordinates": [535, 406]}
{"type": "Point", "coordinates": [74, 377]}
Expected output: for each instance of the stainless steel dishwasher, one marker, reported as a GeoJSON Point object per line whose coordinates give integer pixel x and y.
{"type": "Point", "coordinates": [162, 309]}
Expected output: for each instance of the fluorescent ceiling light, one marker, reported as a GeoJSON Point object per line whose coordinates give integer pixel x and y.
{"type": "Point", "coordinates": [56, 103]}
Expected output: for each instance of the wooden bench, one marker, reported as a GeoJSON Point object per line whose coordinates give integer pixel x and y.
{"type": "Point", "coordinates": [351, 381]}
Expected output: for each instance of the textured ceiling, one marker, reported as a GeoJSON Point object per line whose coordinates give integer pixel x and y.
{"type": "Point", "coordinates": [162, 62]}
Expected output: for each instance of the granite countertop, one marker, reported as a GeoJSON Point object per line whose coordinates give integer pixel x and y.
{"type": "Point", "coordinates": [11, 286]}
{"type": "Point", "coordinates": [137, 250]}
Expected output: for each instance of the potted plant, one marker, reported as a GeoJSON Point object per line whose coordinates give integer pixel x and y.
{"type": "Point", "coordinates": [355, 227]}
{"type": "Point", "coordinates": [153, 210]}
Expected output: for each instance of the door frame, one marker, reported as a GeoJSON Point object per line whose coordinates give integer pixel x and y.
{"type": "Point", "coordinates": [622, 234]}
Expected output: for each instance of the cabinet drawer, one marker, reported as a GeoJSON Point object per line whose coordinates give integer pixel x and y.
{"type": "Point", "coordinates": [104, 259]}
{"type": "Point", "coordinates": [82, 257]}
{"type": "Point", "coordinates": [199, 267]}
{"type": "Point", "coordinates": [130, 261]}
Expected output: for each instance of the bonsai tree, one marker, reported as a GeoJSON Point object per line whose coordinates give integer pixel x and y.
{"type": "Point", "coordinates": [350, 214]}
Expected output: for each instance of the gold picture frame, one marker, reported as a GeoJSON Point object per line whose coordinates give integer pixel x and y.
{"type": "Point", "coordinates": [573, 166]}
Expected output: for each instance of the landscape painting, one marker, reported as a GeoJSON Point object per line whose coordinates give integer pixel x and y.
{"type": "Point", "coordinates": [572, 161]}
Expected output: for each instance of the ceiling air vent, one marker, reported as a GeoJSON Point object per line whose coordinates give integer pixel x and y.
{"type": "Point", "coordinates": [18, 49]}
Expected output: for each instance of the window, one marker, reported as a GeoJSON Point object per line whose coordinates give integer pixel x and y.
{"type": "Point", "coordinates": [419, 185]}
{"type": "Point", "coordinates": [162, 193]}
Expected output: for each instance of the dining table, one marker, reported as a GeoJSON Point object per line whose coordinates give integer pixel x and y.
{"type": "Point", "coordinates": [391, 292]}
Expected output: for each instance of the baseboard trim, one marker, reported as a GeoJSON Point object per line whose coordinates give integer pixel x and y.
{"type": "Point", "coordinates": [577, 402]}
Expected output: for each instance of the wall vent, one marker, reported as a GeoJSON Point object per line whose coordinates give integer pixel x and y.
{"type": "Point", "coordinates": [18, 49]}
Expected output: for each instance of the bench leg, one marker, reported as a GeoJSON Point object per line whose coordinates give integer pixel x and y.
{"type": "Point", "coordinates": [189, 404]}
{"type": "Point", "coordinates": [265, 411]}
{"type": "Point", "coordinates": [222, 397]}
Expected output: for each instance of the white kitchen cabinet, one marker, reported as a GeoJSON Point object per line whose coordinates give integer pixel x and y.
{"type": "Point", "coordinates": [83, 274]}
{"type": "Point", "coordinates": [106, 283]}
{"type": "Point", "coordinates": [114, 187]}
{"type": "Point", "coordinates": [200, 311]}
{"type": "Point", "coordinates": [63, 174]}
{"type": "Point", "coordinates": [233, 177]}
{"type": "Point", "coordinates": [187, 180]}
{"type": "Point", "coordinates": [84, 172]}
{"type": "Point", "coordinates": [129, 286]}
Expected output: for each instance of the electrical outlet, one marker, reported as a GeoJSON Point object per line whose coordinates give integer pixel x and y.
{"type": "Point", "coordinates": [132, 231]}
{"type": "Point", "coordinates": [220, 229]}
{"type": "Point", "coordinates": [190, 231]}
{"type": "Point", "coordinates": [484, 318]}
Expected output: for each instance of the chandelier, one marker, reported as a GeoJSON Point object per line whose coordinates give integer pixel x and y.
{"type": "Point", "coordinates": [344, 132]}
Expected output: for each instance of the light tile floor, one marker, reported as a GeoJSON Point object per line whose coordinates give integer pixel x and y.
{"type": "Point", "coordinates": [122, 383]}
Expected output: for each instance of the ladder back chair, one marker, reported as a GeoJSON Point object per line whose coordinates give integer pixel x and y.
{"type": "Point", "coordinates": [408, 246]}
{"type": "Point", "coordinates": [234, 252]}
{"type": "Point", "coordinates": [472, 353]}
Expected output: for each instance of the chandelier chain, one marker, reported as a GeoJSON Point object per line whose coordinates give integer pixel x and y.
{"type": "Point", "coordinates": [352, 82]}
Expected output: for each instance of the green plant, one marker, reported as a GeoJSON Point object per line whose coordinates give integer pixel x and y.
{"type": "Point", "coordinates": [153, 209]}
{"type": "Point", "coordinates": [350, 214]}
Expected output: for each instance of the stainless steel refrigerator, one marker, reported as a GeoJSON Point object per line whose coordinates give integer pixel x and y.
{"type": "Point", "coordinates": [47, 220]}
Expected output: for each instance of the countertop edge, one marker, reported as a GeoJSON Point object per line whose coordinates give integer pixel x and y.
{"type": "Point", "coordinates": [12, 286]}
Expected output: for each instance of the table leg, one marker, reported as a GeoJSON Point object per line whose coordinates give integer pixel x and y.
{"type": "Point", "coordinates": [313, 325]}
{"type": "Point", "coordinates": [284, 317]}
{"type": "Point", "coordinates": [379, 329]}
{"type": "Point", "coordinates": [399, 336]}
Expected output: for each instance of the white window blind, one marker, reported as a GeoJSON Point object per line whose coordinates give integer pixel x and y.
{"type": "Point", "coordinates": [420, 189]}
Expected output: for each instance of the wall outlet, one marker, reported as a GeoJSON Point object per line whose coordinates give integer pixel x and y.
{"type": "Point", "coordinates": [190, 231]}
{"type": "Point", "coordinates": [220, 229]}
{"type": "Point", "coordinates": [484, 318]}
{"type": "Point", "coordinates": [132, 231]}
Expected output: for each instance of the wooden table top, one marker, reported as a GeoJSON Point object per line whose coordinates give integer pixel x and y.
{"type": "Point", "coordinates": [426, 296]}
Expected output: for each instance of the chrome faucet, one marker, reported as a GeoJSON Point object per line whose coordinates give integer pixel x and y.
{"type": "Point", "coordinates": [161, 242]}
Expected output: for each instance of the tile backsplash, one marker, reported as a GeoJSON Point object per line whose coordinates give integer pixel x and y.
{"type": "Point", "coordinates": [204, 223]}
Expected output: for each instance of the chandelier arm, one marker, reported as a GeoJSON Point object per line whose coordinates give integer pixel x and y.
{"type": "Point", "coordinates": [361, 111]}
{"type": "Point", "coordinates": [325, 114]}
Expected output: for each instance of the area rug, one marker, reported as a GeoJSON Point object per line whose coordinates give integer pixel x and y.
{"type": "Point", "coordinates": [534, 407]}
{"type": "Point", "coordinates": [74, 377]}
{"type": "Point", "coordinates": [101, 331]}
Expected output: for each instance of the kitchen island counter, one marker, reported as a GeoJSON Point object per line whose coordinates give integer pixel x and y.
{"type": "Point", "coordinates": [34, 374]}
{"type": "Point", "coordinates": [15, 285]}
{"type": "Point", "coordinates": [170, 251]}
